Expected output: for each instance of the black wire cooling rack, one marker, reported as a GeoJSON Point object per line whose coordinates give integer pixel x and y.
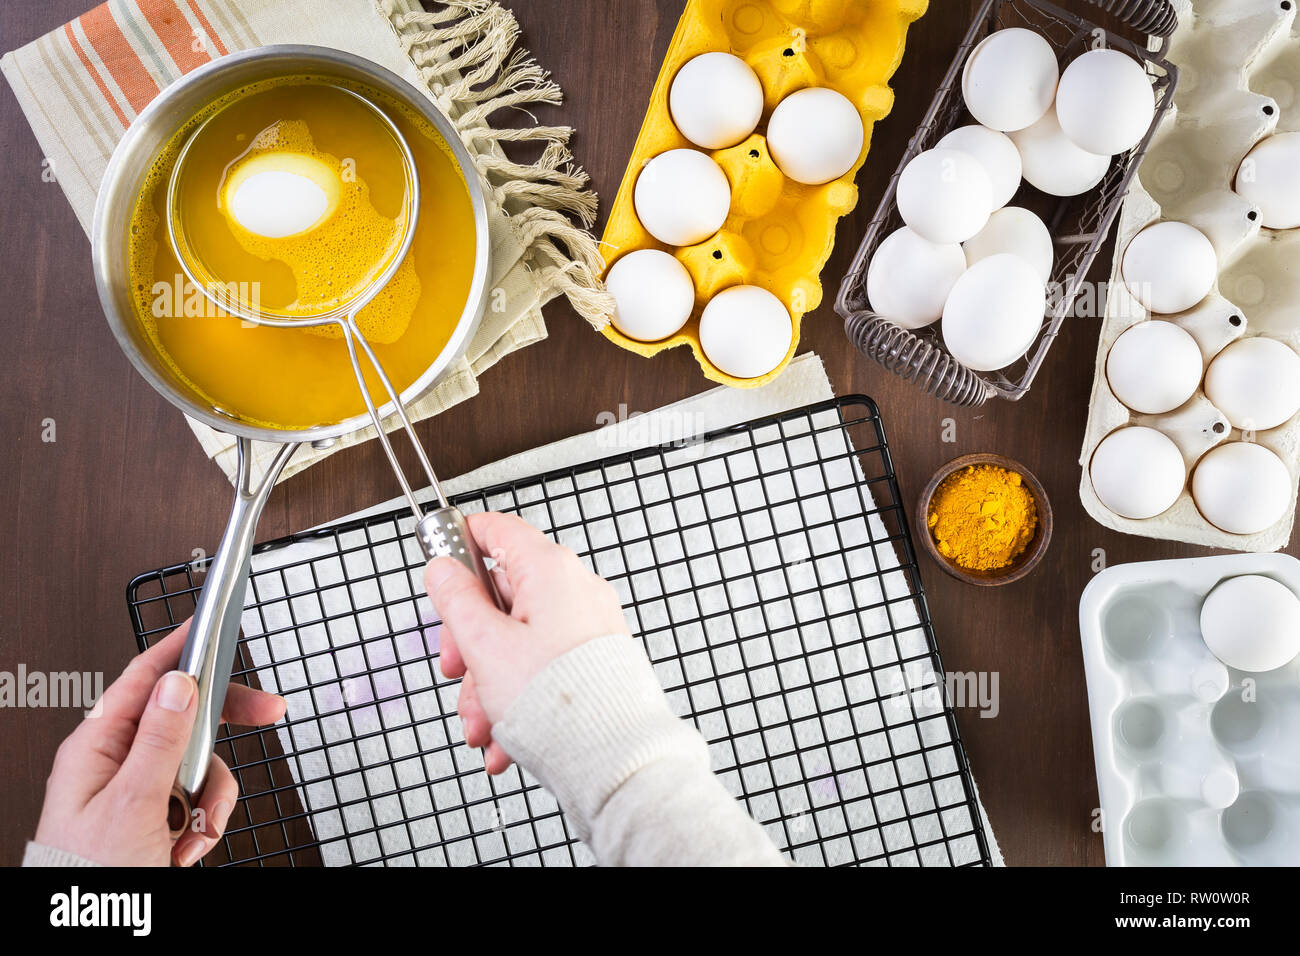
{"type": "Point", "coordinates": [769, 571]}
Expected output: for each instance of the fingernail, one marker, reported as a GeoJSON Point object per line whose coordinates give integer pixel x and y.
{"type": "Point", "coordinates": [440, 569]}
{"type": "Point", "coordinates": [191, 853]}
{"type": "Point", "coordinates": [219, 817]}
{"type": "Point", "coordinates": [175, 691]}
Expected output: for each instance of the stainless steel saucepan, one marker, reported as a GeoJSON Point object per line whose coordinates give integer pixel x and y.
{"type": "Point", "coordinates": [210, 648]}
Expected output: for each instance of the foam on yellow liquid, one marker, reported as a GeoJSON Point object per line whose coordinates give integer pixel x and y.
{"type": "Point", "coordinates": [296, 378]}
{"type": "Point", "coordinates": [334, 259]}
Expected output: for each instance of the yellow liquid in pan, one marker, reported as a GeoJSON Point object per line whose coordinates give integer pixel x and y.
{"type": "Point", "coordinates": [298, 378]}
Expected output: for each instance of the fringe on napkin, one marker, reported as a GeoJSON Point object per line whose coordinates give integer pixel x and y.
{"type": "Point", "coordinates": [465, 51]}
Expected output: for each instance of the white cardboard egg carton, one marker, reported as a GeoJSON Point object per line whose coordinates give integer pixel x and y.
{"type": "Point", "coordinates": [1239, 63]}
{"type": "Point", "coordinates": [1197, 763]}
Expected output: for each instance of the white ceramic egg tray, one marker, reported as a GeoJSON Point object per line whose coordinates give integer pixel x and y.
{"type": "Point", "coordinates": [1196, 762]}
{"type": "Point", "coordinates": [1239, 63]}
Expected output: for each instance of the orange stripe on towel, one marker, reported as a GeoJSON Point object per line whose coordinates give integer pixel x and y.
{"type": "Point", "coordinates": [94, 75]}
{"type": "Point", "coordinates": [171, 27]}
{"type": "Point", "coordinates": [118, 58]}
{"type": "Point", "coordinates": [207, 27]}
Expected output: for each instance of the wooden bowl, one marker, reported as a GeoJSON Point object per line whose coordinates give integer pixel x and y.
{"type": "Point", "coordinates": [1026, 561]}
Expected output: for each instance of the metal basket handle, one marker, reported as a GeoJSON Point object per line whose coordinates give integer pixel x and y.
{"type": "Point", "coordinates": [917, 360]}
{"type": "Point", "coordinates": [1157, 18]}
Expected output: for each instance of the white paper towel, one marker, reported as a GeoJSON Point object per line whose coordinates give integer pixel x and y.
{"type": "Point", "coordinates": [805, 717]}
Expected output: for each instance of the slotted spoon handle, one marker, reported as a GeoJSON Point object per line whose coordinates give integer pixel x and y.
{"type": "Point", "coordinates": [443, 533]}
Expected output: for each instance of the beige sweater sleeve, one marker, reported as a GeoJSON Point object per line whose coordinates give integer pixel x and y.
{"type": "Point", "coordinates": [634, 780]}
{"type": "Point", "coordinates": [37, 854]}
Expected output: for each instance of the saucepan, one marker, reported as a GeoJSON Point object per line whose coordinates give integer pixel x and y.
{"type": "Point", "coordinates": [210, 648]}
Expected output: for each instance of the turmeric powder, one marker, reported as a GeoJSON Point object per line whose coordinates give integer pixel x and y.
{"type": "Point", "coordinates": [982, 517]}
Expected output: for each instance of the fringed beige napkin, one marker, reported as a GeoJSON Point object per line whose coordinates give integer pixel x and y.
{"type": "Point", "coordinates": [81, 85]}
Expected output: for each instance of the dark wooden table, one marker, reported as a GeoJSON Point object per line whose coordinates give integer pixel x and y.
{"type": "Point", "coordinates": [125, 487]}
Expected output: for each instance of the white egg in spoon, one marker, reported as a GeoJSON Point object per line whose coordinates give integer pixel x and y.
{"type": "Point", "coordinates": [277, 195]}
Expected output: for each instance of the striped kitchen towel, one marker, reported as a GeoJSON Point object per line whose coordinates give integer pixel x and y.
{"type": "Point", "coordinates": [82, 84]}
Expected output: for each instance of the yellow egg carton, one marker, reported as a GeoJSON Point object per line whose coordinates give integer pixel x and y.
{"type": "Point", "coordinates": [778, 233]}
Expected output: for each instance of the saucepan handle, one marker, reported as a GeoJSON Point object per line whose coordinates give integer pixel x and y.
{"type": "Point", "coordinates": [209, 652]}
{"type": "Point", "coordinates": [443, 532]}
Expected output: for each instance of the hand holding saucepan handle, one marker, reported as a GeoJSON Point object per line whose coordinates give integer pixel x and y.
{"type": "Point", "coordinates": [209, 653]}
{"type": "Point", "coordinates": [106, 799]}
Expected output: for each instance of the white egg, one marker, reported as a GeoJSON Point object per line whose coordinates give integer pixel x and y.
{"type": "Point", "coordinates": [1050, 160]}
{"type": "Point", "coordinates": [276, 203]}
{"type": "Point", "coordinates": [1255, 382]}
{"type": "Point", "coordinates": [1137, 472]}
{"type": "Point", "coordinates": [1010, 79]}
{"type": "Point", "coordinates": [1105, 102]}
{"type": "Point", "coordinates": [682, 197]}
{"type": "Point", "coordinates": [909, 278]}
{"type": "Point", "coordinates": [945, 195]}
{"type": "Point", "coordinates": [1154, 367]}
{"type": "Point", "coordinates": [993, 313]}
{"type": "Point", "coordinates": [653, 294]}
{"type": "Point", "coordinates": [1017, 231]}
{"type": "Point", "coordinates": [1169, 267]}
{"type": "Point", "coordinates": [996, 153]}
{"type": "Point", "coordinates": [815, 135]}
{"type": "Point", "coordinates": [1252, 623]}
{"type": "Point", "coordinates": [1269, 177]}
{"type": "Point", "coordinates": [745, 331]}
{"type": "Point", "coordinates": [715, 100]}
{"type": "Point", "coordinates": [1241, 487]}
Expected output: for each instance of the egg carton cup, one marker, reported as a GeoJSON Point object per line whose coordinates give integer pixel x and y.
{"type": "Point", "coordinates": [778, 233]}
{"type": "Point", "coordinates": [1196, 761]}
{"type": "Point", "coordinates": [1239, 62]}
{"type": "Point", "coordinates": [1079, 224]}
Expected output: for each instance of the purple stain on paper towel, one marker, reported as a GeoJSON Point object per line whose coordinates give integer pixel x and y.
{"type": "Point", "coordinates": [381, 692]}
{"type": "Point", "coordinates": [414, 645]}
{"type": "Point", "coordinates": [388, 685]}
{"type": "Point", "coordinates": [826, 786]}
{"type": "Point", "coordinates": [432, 629]}
{"type": "Point", "coordinates": [329, 698]}
{"type": "Point", "coordinates": [356, 691]}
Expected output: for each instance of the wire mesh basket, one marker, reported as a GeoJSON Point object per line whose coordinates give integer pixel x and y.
{"type": "Point", "coordinates": [1079, 224]}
